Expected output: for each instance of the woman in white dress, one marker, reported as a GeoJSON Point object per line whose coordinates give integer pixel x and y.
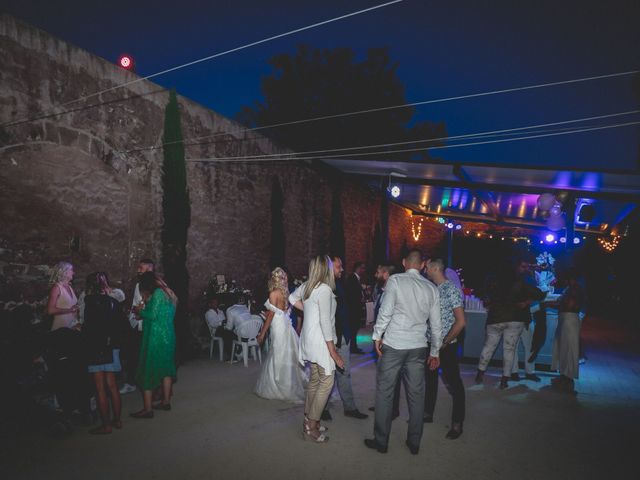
{"type": "Point", "coordinates": [282, 377]}
{"type": "Point", "coordinates": [317, 341]}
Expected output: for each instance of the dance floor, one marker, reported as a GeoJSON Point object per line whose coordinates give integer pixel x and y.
{"type": "Point", "coordinates": [219, 429]}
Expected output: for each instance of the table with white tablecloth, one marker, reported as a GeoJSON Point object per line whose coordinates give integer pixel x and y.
{"type": "Point", "coordinates": [475, 335]}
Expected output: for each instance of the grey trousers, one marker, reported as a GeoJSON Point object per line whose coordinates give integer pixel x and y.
{"type": "Point", "coordinates": [388, 371]}
{"type": "Point", "coordinates": [343, 380]}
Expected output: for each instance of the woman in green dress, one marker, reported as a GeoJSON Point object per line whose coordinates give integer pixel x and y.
{"type": "Point", "coordinates": [156, 366]}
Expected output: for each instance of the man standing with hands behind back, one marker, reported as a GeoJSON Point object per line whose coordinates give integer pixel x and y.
{"type": "Point", "coordinates": [410, 303]}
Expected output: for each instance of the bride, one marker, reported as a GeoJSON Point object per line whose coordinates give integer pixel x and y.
{"type": "Point", "coordinates": [282, 377]}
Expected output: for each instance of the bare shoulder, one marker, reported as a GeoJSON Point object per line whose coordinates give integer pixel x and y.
{"type": "Point", "coordinates": [276, 298]}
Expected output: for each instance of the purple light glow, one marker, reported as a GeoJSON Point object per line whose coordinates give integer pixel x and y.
{"type": "Point", "coordinates": [550, 237]}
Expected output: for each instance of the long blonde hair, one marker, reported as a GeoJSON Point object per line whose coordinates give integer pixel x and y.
{"type": "Point", "coordinates": [279, 281]}
{"type": "Point", "coordinates": [320, 271]}
{"type": "Point", "coordinates": [57, 272]}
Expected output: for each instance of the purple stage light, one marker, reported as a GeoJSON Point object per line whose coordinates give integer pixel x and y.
{"type": "Point", "coordinates": [550, 237]}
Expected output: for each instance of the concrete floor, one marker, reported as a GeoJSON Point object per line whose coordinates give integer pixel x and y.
{"type": "Point", "coordinates": [219, 429]}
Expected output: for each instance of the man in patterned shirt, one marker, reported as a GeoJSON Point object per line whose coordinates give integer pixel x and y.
{"type": "Point", "coordinates": [453, 321]}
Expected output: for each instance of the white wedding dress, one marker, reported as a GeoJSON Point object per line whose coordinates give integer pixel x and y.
{"type": "Point", "coordinates": [282, 377]}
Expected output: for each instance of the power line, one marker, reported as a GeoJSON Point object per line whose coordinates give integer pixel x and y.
{"type": "Point", "coordinates": [431, 140]}
{"type": "Point", "coordinates": [232, 50]}
{"type": "Point", "coordinates": [404, 105]}
{"type": "Point", "coordinates": [289, 157]}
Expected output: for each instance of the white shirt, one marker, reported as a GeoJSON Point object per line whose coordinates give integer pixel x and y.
{"type": "Point", "coordinates": [214, 318]}
{"type": "Point", "coordinates": [319, 326]}
{"type": "Point", "coordinates": [137, 300]}
{"type": "Point", "coordinates": [408, 303]}
{"type": "Point", "coordinates": [236, 315]}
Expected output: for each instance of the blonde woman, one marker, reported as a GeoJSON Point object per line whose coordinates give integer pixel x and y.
{"type": "Point", "coordinates": [62, 303]}
{"type": "Point", "coordinates": [282, 376]}
{"type": "Point", "coordinates": [317, 341]}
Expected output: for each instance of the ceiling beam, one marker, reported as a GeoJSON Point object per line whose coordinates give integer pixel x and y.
{"type": "Point", "coordinates": [553, 168]}
{"type": "Point", "coordinates": [485, 197]}
{"type": "Point", "coordinates": [502, 187]}
{"type": "Point", "coordinates": [508, 222]}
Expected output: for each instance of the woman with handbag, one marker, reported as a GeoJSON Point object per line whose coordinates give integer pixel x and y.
{"type": "Point", "coordinates": [101, 333]}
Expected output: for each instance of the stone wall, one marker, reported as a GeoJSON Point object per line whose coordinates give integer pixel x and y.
{"type": "Point", "coordinates": [80, 186]}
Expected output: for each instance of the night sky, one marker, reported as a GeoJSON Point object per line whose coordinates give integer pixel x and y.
{"type": "Point", "coordinates": [443, 49]}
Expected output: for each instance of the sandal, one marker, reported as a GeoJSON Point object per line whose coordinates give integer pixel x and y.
{"type": "Point", "coordinates": [162, 406]}
{"type": "Point", "coordinates": [321, 428]}
{"type": "Point", "coordinates": [142, 414]}
{"type": "Point", "coordinates": [314, 435]}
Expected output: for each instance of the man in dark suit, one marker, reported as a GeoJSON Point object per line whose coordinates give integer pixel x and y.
{"type": "Point", "coordinates": [354, 299]}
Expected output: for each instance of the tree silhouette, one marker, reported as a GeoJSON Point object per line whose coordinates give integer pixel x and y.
{"type": "Point", "coordinates": [315, 83]}
{"type": "Point", "coordinates": [176, 210]}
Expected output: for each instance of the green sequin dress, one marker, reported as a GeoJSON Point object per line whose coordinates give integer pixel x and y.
{"type": "Point", "coordinates": [157, 353]}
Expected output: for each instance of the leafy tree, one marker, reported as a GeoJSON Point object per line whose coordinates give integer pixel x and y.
{"type": "Point", "coordinates": [176, 210]}
{"type": "Point", "coordinates": [315, 83]}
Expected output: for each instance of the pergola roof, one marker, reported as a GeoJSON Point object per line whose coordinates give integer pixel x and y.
{"type": "Point", "coordinates": [504, 194]}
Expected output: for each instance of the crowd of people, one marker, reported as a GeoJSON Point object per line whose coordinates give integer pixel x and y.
{"type": "Point", "coordinates": [419, 318]}
{"type": "Point", "coordinates": [96, 334]}
{"type": "Point", "coordinates": [100, 347]}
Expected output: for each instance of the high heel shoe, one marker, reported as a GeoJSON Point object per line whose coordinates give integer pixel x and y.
{"type": "Point", "coordinates": [309, 434]}
{"type": "Point", "coordinates": [321, 428]}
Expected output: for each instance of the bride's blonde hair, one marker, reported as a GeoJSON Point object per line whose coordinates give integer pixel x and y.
{"type": "Point", "coordinates": [280, 281]}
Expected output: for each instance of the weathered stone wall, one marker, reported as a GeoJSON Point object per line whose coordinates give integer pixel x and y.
{"type": "Point", "coordinates": [84, 175]}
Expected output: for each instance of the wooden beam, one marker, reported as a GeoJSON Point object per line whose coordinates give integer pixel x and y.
{"type": "Point", "coordinates": [524, 189]}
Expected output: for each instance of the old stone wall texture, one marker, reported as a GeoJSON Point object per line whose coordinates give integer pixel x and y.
{"type": "Point", "coordinates": [81, 186]}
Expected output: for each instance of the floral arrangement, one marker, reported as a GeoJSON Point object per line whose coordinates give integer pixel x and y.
{"type": "Point", "coordinates": [214, 287]}
{"type": "Point", "coordinates": [545, 258]}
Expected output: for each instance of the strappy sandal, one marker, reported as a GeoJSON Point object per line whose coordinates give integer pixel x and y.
{"type": "Point", "coordinates": [321, 428]}
{"type": "Point", "coordinates": [308, 434]}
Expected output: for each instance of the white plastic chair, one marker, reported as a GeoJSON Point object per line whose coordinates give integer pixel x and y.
{"type": "Point", "coordinates": [246, 335]}
{"type": "Point", "coordinates": [214, 338]}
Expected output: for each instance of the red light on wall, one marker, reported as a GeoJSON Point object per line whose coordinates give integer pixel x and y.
{"type": "Point", "coordinates": [126, 62]}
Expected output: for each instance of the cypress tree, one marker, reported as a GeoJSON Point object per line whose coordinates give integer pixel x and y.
{"type": "Point", "coordinates": [176, 210]}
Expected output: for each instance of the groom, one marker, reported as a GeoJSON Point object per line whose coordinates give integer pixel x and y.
{"type": "Point", "coordinates": [409, 302]}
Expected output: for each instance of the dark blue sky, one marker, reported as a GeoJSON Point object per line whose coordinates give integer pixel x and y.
{"type": "Point", "coordinates": [443, 49]}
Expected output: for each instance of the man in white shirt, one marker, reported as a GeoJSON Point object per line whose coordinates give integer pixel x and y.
{"type": "Point", "coordinates": [216, 319]}
{"type": "Point", "coordinates": [132, 349]}
{"type": "Point", "coordinates": [409, 305]}
{"type": "Point", "coordinates": [237, 314]}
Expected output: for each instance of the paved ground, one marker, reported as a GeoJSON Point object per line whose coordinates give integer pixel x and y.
{"type": "Point", "coordinates": [219, 429]}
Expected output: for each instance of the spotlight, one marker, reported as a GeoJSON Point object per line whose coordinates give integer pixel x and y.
{"type": "Point", "coordinates": [450, 225]}
{"type": "Point", "coordinates": [126, 62]}
{"type": "Point", "coordinates": [395, 191]}
{"type": "Point", "coordinates": [458, 227]}
{"type": "Point", "coordinates": [563, 239]}
{"type": "Point", "coordinates": [550, 237]}
{"type": "Point", "coordinates": [576, 240]}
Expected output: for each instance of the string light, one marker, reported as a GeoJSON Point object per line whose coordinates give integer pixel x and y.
{"type": "Point", "coordinates": [609, 245]}
{"type": "Point", "coordinates": [416, 230]}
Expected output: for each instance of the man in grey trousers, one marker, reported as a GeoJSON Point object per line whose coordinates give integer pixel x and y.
{"type": "Point", "coordinates": [409, 302]}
